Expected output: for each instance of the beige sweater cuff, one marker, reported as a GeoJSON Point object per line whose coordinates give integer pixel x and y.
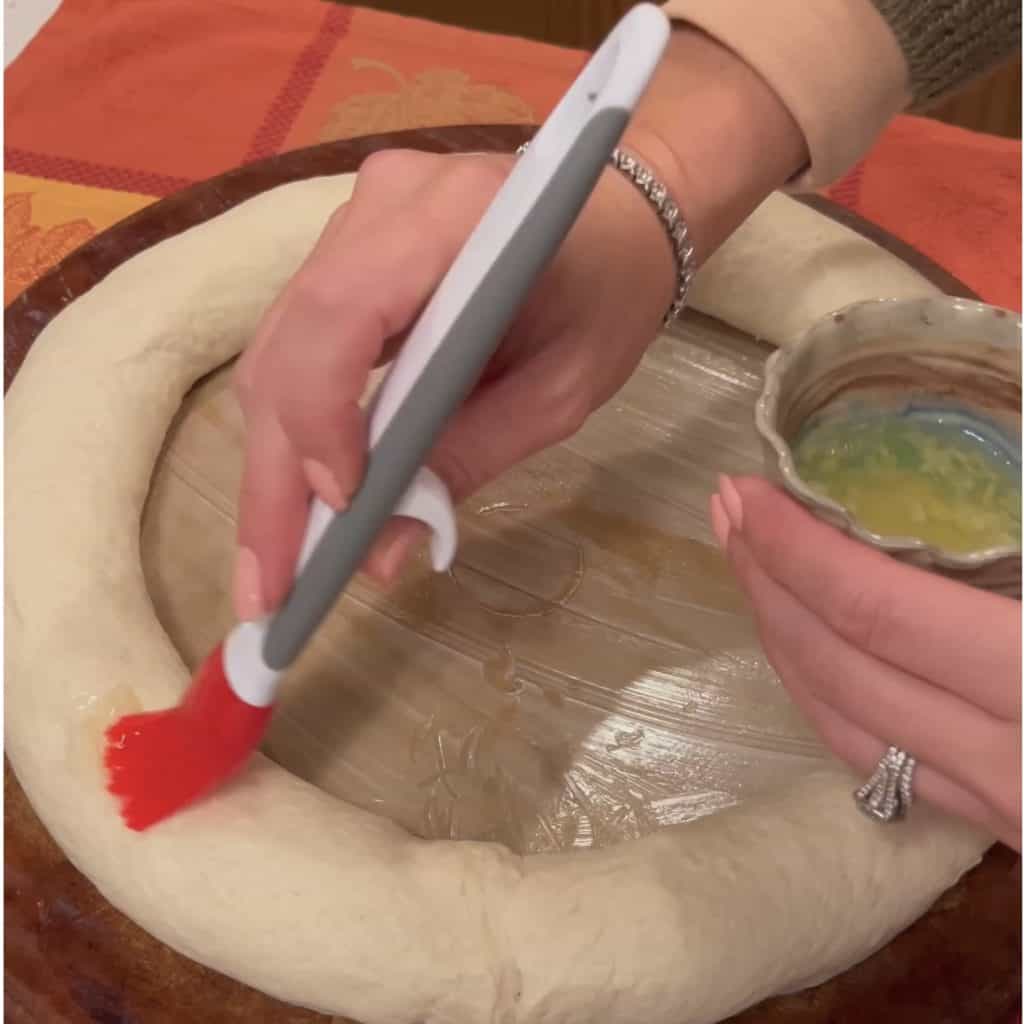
{"type": "Point", "coordinates": [835, 64]}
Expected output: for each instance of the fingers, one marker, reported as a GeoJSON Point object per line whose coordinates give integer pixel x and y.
{"type": "Point", "coordinates": [395, 543]}
{"type": "Point", "coordinates": [965, 743]}
{"type": "Point", "coordinates": [855, 745]}
{"type": "Point", "coordinates": [301, 381]}
{"type": "Point", "coordinates": [273, 506]}
{"type": "Point", "coordinates": [862, 751]}
{"type": "Point", "coordinates": [968, 759]}
{"type": "Point", "coordinates": [905, 616]}
{"type": "Point", "coordinates": [330, 434]}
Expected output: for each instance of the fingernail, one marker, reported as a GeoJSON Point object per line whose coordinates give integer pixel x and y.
{"type": "Point", "coordinates": [719, 522]}
{"type": "Point", "coordinates": [325, 484]}
{"type": "Point", "coordinates": [395, 554]}
{"type": "Point", "coordinates": [731, 501]}
{"type": "Point", "coordinates": [248, 587]}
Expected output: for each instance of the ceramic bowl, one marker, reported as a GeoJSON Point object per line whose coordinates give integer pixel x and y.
{"type": "Point", "coordinates": [884, 354]}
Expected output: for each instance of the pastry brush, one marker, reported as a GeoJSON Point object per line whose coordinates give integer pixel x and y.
{"type": "Point", "coordinates": [159, 762]}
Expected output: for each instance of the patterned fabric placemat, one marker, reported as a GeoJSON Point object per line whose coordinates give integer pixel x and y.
{"type": "Point", "coordinates": [118, 102]}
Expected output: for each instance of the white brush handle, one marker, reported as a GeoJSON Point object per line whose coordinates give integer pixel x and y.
{"type": "Point", "coordinates": [599, 101]}
{"type": "Point", "coordinates": [613, 80]}
{"type": "Point", "coordinates": [428, 501]}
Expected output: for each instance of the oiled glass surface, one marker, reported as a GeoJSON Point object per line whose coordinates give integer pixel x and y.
{"type": "Point", "coordinates": [586, 674]}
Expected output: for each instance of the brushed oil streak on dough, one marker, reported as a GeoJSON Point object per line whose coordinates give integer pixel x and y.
{"type": "Point", "coordinates": [86, 730]}
{"type": "Point", "coordinates": [283, 886]}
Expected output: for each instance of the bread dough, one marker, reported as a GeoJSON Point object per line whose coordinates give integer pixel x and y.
{"type": "Point", "coordinates": [787, 266]}
{"type": "Point", "coordinates": [280, 885]}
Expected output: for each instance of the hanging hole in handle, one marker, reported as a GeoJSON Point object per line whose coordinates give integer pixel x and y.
{"type": "Point", "coordinates": [601, 67]}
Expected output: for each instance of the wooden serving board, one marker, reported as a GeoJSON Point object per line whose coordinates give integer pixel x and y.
{"type": "Point", "coordinates": [585, 675]}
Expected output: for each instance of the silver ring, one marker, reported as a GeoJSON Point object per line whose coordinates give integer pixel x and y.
{"type": "Point", "coordinates": [888, 794]}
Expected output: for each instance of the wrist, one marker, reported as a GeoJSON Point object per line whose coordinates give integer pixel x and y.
{"type": "Point", "coordinates": [643, 238]}
{"type": "Point", "coordinates": [715, 133]}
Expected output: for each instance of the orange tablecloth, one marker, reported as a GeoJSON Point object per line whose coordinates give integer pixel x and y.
{"type": "Point", "coordinates": [117, 102]}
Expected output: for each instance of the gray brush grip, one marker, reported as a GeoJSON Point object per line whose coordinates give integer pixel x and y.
{"type": "Point", "coordinates": [445, 383]}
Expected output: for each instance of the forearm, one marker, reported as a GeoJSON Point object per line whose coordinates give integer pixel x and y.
{"type": "Point", "coordinates": [843, 68]}
{"type": "Point", "coordinates": [752, 96]}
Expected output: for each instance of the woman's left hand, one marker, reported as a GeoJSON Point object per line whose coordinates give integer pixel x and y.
{"type": "Point", "coordinates": [878, 653]}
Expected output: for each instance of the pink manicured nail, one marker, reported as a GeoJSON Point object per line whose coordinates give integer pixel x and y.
{"type": "Point", "coordinates": [248, 587]}
{"type": "Point", "coordinates": [719, 522]}
{"type": "Point", "coordinates": [394, 555]}
{"type": "Point", "coordinates": [325, 484]}
{"type": "Point", "coordinates": [731, 502]}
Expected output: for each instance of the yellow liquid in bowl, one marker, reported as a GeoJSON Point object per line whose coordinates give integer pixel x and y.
{"type": "Point", "coordinates": [941, 482]}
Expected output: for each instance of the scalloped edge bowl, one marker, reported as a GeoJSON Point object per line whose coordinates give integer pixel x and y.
{"type": "Point", "coordinates": [941, 320]}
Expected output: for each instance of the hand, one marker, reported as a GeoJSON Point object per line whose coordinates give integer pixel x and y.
{"type": "Point", "coordinates": [708, 126]}
{"type": "Point", "coordinates": [876, 652]}
{"type": "Point", "coordinates": [576, 341]}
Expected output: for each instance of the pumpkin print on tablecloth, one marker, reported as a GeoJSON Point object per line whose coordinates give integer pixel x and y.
{"type": "Point", "coordinates": [439, 96]}
{"type": "Point", "coordinates": [31, 250]}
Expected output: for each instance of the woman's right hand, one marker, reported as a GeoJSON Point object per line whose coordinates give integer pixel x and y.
{"type": "Point", "coordinates": [577, 339]}
{"type": "Point", "coordinates": [709, 126]}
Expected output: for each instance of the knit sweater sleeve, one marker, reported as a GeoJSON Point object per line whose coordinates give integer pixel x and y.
{"type": "Point", "coordinates": [946, 43]}
{"type": "Point", "coordinates": [843, 68]}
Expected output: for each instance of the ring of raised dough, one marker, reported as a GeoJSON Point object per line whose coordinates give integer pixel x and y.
{"type": "Point", "coordinates": [294, 892]}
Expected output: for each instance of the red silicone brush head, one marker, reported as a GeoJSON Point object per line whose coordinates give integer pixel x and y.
{"type": "Point", "coordinates": [162, 761]}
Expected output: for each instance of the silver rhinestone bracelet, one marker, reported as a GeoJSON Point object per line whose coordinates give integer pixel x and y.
{"type": "Point", "coordinates": [671, 218]}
